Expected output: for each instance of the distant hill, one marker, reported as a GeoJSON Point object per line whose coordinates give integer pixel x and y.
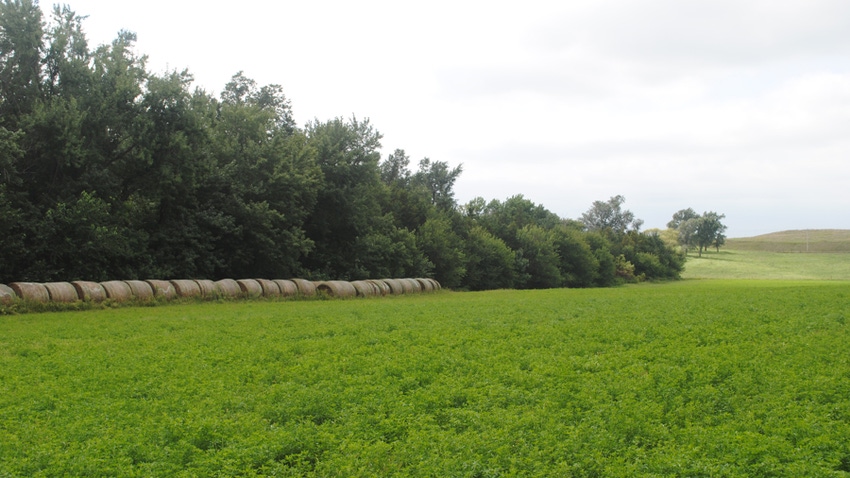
{"type": "Point", "coordinates": [807, 240]}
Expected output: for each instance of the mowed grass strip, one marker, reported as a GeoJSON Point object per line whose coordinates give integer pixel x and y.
{"type": "Point", "coordinates": [746, 264]}
{"type": "Point", "coordinates": [696, 378]}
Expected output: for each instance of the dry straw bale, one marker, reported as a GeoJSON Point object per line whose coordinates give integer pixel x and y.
{"type": "Point", "coordinates": [117, 290]}
{"type": "Point", "coordinates": [337, 288]}
{"type": "Point", "coordinates": [30, 291]}
{"type": "Point", "coordinates": [287, 287]}
{"type": "Point", "coordinates": [365, 288]}
{"type": "Point", "coordinates": [436, 284]}
{"type": "Point", "coordinates": [395, 285]}
{"type": "Point", "coordinates": [141, 289]}
{"type": "Point", "coordinates": [186, 288]}
{"type": "Point", "coordinates": [61, 292]}
{"type": "Point", "coordinates": [250, 287]}
{"type": "Point", "coordinates": [414, 284]}
{"type": "Point", "coordinates": [208, 288]}
{"type": "Point", "coordinates": [270, 288]}
{"type": "Point", "coordinates": [305, 287]}
{"type": "Point", "coordinates": [408, 285]}
{"type": "Point", "coordinates": [425, 284]}
{"type": "Point", "coordinates": [7, 295]}
{"type": "Point", "coordinates": [228, 288]}
{"type": "Point", "coordinates": [162, 289]}
{"type": "Point", "coordinates": [87, 290]}
{"type": "Point", "coordinates": [383, 288]}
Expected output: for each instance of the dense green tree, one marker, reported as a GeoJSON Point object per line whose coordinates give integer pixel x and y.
{"type": "Point", "coordinates": [506, 219]}
{"type": "Point", "coordinates": [609, 217]}
{"type": "Point", "coordinates": [110, 171]}
{"type": "Point", "coordinates": [408, 200]}
{"type": "Point", "coordinates": [490, 262]}
{"type": "Point", "coordinates": [681, 216]}
{"type": "Point", "coordinates": [348, 203]}
{"type": "Point", "coordinates": [443, 248]}
{"type": "Point", "coordinates": [21, 44]}
{"type": "Point", "coordinates": [537, 249]}
{"type": "Point", "coordinates": [709, 231]}
{"type": "Point", "coordinates": [438, 179]}
{"type": "Point", "coordinates": [578, 266]}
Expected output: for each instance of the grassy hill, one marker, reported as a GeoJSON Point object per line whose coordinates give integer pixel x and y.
{"type": "Point", "coordinates": [809, 240]}
{"type": "Point", "coordinates": [780, 255]}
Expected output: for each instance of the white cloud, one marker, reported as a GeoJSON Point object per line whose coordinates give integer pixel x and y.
{"type": "Point", "coordinates": [738, 106]}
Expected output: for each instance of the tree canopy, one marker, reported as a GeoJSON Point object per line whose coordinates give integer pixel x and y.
{"type": "Point", "coordinates": [110, 171]}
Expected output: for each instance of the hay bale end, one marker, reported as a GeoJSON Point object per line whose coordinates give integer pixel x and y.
{"type": "Point", "coordinates": [287, 287]}
{"type": "Point", "coordinates": [30, 291]}
{"type": "Point", "coordinates": [228, 288]}
{"type": "Point", "coordinates": [250, 287]}
{"type": "Point", "coordinates": [208, 288]}
{"type": "Point", "coordinates": [162, 289]}
{"type": "Point", "coordinates": [7, 295]}
{"type": "Point", "coordinates": [61, 292]}
{"type": "Point", "coordinates": [117, 290]}
{"type": "Point", "coordinates": [141, 290]}
{"type": "Point", "coordinates": [87, 290]}
{"type": "Point", "coordinates": [305, 287]}
{"type": "Point", "coordinates": [337, 288]}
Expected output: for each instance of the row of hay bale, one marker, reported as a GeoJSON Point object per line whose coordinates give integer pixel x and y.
{"type": "Point", "coordinates": [162, 289]}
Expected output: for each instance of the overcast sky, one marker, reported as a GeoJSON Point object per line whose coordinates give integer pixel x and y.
{"type": "Point", "coordinates": [735, 106]}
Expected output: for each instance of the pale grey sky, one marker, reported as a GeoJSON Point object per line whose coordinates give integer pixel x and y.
{"type": "Point", "coordinates": [736, 106]}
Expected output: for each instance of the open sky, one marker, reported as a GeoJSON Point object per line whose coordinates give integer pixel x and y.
{"type": "Point", "coordinates": [735, 106]}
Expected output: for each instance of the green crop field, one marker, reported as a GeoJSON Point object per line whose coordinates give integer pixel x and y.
{"type": "Point", "coordinates": [692, 378]}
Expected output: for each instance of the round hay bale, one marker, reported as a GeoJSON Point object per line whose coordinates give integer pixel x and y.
{"type": "Point", "coordinates": [305, 287]}
{"type": "Point", "coordinates": [61, 292]}
{"type": "Point", "coordinates": [141, 289]}
{"type": "Point", "coordinates": [117, 290]}
{"type": "Point", "coordinates": [250, 287]}
{"type": "Point", "coordinates": [7, 295]}
{"type": "Point", "coordinates": [30, 291]}
{"type": "Point", "coordinates": [163, 289]}
{"type": "Point", "coordinates": [186, 288]}
{"type": "Point", "coordinates": [436, 284]}
{"type": "Point", "coordinates": [396, 288]}
{"type": "Point", "coordinates": [270, 288]}
{"type": "Point", "coordinates": [406, 286]}
{"type": "Point", "coordinates": [228, 288]}
{"type": "Point", "coordinates": [208, 288]}
{"type": "Point", "coordinates": [287, 287]}
{"type": "Point", "coordinates": [426, 285]}
{"type": "Point", "coordinates": [414, 285]}
{"type": "Point", "coordinates": [382, 286]}
{"type": "Point", "coordinates": [337, 288]}
{"type": "Point", "coordinates": [365, 288]}
{"type": "Point", "coordinates": [87, 290]}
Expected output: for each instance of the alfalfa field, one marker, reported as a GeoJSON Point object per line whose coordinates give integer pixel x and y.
{"type": "Point", "coordinates": [692, 378]}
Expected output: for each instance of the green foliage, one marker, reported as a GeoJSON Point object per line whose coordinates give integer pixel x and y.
{"type": "Point", "coordinates": [489, 261]}
{"type": "Point", "coordinates": [694, 378]}
{"type": "Point", "coordinates": [610, 218]}
{"type": "Point", "coordinates": [537, 249]}
{"type": "Point", "coordinates": [578, 265]}
{"type": "Point", "coordinates": [698, 231]}
{"type": "Point", "coordinates": [444, 249]}
{"type": "Point", "coordinates": [109, 171]}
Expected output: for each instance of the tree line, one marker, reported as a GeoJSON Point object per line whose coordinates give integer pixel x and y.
{"type": "Point", "coordinates": [110, 171]}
